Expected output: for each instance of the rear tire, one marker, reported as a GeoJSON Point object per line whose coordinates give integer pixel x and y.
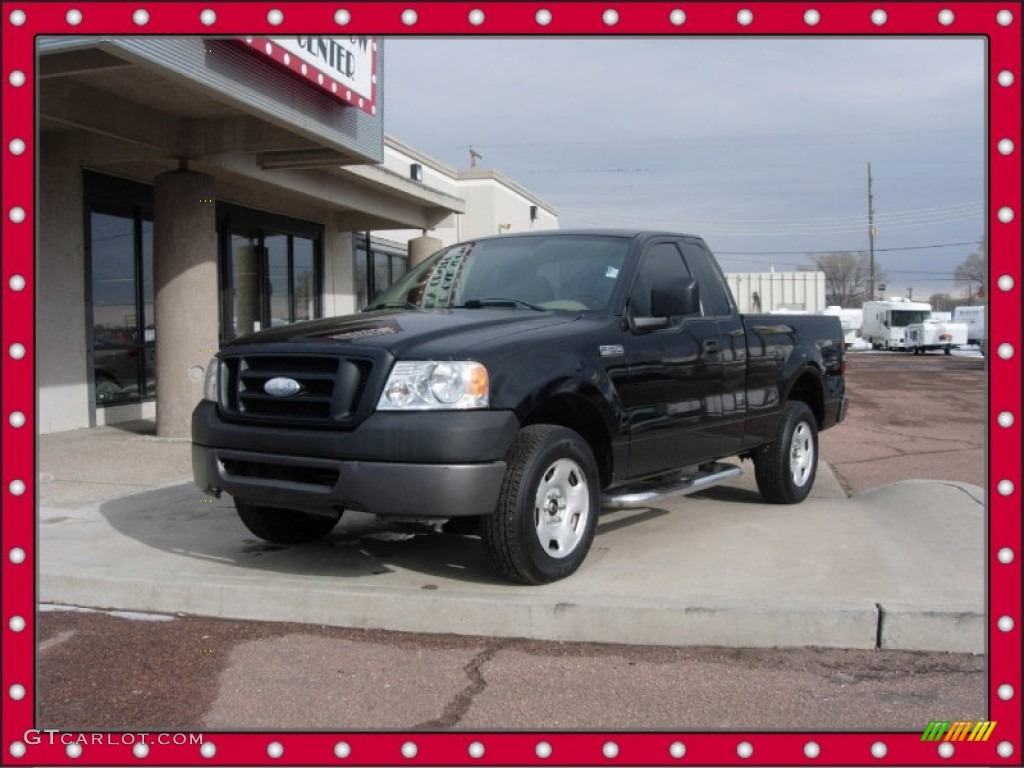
{"type": "Point", "coordinates": [785, 468]}
{"type": "Point", "coordinates": [285, 526]}
{"type": "Point", "coordinates": [547, 510]}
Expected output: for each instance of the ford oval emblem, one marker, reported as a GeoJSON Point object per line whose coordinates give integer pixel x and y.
{"type": "Point", "coordinates": [282, 387]}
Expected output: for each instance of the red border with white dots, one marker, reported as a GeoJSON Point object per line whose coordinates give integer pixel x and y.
{"type": "Point", "coordinates": [265, 46]}
{"type": "Point", "coordinates": [537, 18]}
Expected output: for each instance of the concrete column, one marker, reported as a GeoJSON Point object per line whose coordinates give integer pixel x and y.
{"type": "Point", "coordinates": [339, 286]}
{"type": "Point", "coordinates": [185, 283]}
{"type": "Point", "coordinates": [62, 370]}
{"type": "Point", "coordinates": [422, 247]}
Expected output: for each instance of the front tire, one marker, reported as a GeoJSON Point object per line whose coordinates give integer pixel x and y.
{"type": "Point", "coordinates": [785, 468]}
{"type": "Point", "coordinates": [546, 514]}
{"type": "Point", "coordinates": [285, 526]}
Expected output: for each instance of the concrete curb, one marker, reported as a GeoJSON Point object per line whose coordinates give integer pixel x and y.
{"type": "Point", "coordinates": [718, 569]}
{"type": "Point", "coordinates": [913, 628]}
{"type": "Point", "coordinates": [617, 621]}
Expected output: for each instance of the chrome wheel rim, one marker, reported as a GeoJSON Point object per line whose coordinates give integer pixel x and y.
{"type": "Point", "coordinates": [801, 454]}
{"type": "Point", "coordinates": [561, 508]}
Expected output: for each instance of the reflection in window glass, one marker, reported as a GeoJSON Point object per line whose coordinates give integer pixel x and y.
{"type": "Point", "coordinates": [123, 344]}
{"type": "Point", "coordinates": [362, 281]}
{"type": "Point", "coordinates": [399, 266]}
{"type": "Point", "coordinates": [245, 266]}
{"type": "Point", "coordinates": [387, 267]}
{"type": "Point", "coordinates": [148, 312]}
{"type": "Point", "coordinates": [381, 273]}
{"type": "Point", "coordinates": [275, 279]}
{"type": "Point", "coordinates": [303, 278]}
{"type": "Point", "coordinates": [276, 247]}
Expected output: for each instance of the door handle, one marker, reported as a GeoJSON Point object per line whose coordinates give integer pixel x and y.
{"type": "Point", "coordinates": [711, 346]}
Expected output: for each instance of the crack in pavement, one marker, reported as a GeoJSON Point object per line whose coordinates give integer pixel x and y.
{"type": "Point", "coordinates": [902, 453]}
{"type": "Point", "coordinates": [965, 491]}
{"type": "Point", "coordinates": [457, 708]}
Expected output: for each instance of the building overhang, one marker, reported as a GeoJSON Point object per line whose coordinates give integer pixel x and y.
{"type": "Point", "coordinates": [132, 111]}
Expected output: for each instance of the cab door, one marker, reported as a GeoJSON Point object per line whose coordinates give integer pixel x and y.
{"type": "Point", "coordinates": [672, 388]}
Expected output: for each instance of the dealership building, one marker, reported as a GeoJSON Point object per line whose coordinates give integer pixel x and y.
{"type": "Point", "coordinates": [194, 190]}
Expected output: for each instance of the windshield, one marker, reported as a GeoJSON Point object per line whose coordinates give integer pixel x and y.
{"type": "Point", "coordinates": [901, 318]}
{"type": "Point", "coordinates": [536, 272]}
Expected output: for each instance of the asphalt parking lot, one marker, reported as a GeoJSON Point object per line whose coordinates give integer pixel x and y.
{"type": "Point", "coordinates": [478, 678]}
{"type": "Point", "coordinates": [919, 417]}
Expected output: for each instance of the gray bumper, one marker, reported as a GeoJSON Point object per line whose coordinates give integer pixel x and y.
{"type": "Point", "coordinates": [389, 489]}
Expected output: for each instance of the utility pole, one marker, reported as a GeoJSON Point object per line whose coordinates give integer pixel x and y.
{"type": "Point", "coordinates": [871, 238]}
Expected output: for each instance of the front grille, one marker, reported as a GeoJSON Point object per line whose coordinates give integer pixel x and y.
{"type": "Point", "coordinates": [330, 387]}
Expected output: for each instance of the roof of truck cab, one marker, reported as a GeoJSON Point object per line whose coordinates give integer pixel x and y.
{"type": "Point", "coordinates": [627, 233]}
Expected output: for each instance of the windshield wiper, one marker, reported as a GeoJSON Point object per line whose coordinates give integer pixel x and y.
{"type": "Point", "coordinates": [406, 305]}
{"type": "Point", "coordinates": [500, 302]}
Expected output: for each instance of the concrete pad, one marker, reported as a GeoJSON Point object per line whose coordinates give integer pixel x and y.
{"type": "Point", "coordinates": [718, 568]}
{"type": "Point", "coordinates": [89, 466]}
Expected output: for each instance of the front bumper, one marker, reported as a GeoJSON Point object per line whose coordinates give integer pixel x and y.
{"type": "Point", "coordinates": [382, 488]}
{"type": "Point", "coordinates": [427, 464]}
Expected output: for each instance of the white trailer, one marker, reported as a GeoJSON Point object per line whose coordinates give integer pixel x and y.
{"type": "Point", "coordinates": [885, 322]}
{"type": "Point", "coordinates": [921, 338]}
{"type": "Point", "coordinates": [974, 317]}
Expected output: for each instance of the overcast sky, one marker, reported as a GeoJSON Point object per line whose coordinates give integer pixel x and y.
{"type": "Point", "coordinates": [760, 145]}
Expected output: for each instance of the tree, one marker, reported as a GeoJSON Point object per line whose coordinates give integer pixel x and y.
{"type": "Point", "coordinates": [973, 271]}
{"type": "Point", "coordinates": [942, 302]}
{"type": "Point", "coordinates": [847, 277]}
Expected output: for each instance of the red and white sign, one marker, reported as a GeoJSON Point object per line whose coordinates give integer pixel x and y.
{"type": "Point", "coordinates": [345, 67]}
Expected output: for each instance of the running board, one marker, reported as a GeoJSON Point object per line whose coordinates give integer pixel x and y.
{"type": "Point", "coordinates": [634, 499]}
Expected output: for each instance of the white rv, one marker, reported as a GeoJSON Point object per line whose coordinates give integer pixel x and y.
{"type": "Point", "coordinates": [935, 334]}
{"type": "Point", "coordinates": [974, 317]}
{"type": "Point", "coordinates": [885, 322]}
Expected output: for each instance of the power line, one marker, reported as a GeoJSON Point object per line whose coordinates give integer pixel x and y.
{"type": "Point", "coordinates": [723, 227]}
{"type": "Point", "coordinates": [847, 250]}
{"type": "Point", "coordinates": [677, 141]}
{"type": "Point", "coordinates": [912, 214]}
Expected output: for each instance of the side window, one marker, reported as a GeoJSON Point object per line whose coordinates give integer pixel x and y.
{"type": "Point", "coordinates": [713, 296]}
{"type": "Point", "coordinates": [662, 262]}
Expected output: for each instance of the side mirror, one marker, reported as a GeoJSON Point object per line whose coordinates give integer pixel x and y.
{"type": "Point", "coordinates": [675, 297]}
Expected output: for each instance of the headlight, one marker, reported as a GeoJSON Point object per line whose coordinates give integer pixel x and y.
{"type": "Point", "coordinates": [435, 385]}
{"type": "Point", "coordinates": [211, 382]}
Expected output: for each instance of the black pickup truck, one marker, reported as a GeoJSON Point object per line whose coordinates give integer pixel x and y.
{"type": "Point", "coordinates": [520, 383]}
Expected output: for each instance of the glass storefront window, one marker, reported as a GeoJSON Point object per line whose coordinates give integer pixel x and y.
{"type": "Point", "coordinates": [149, 312]}
{"type": "Point", "coordinates": [123, 340]}
{"type": "Point", "coordinates": [269, 273]}
{"type": "Point", "coordinates": [372, 279]}
{"type": "Point", "coordinates": [277, 280]}
{"type": "Point", "coordinates": [362, 279]}
{"type": "Point", "coordinates": [245, 268]}
{"type": "Point", "coordinates": [274, 273]}
{"type": "Point", "coordinates": [304, 271]}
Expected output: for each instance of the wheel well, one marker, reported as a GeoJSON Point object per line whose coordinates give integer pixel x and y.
{"type": "Point", "coordinates": [808, 389]}
{"type": "Point", "coordinates": [577, 414]}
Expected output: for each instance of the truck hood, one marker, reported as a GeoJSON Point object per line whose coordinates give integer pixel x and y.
{"type": "Point", "coordinates": [423, 334]}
